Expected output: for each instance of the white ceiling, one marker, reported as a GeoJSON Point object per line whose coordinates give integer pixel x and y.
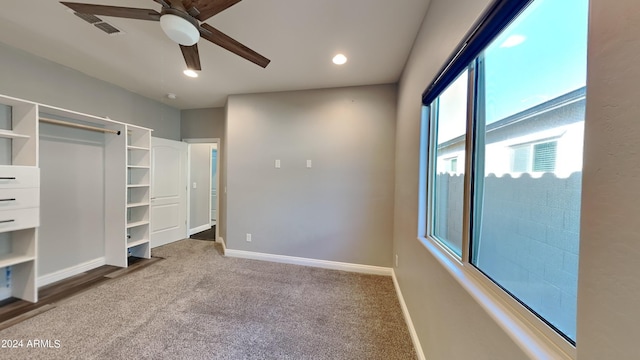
{"type": "Point", "coordinates": [299, 36]}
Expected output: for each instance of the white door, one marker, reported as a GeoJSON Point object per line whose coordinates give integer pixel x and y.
{"type": "Point", "coordinates": [168, 191]}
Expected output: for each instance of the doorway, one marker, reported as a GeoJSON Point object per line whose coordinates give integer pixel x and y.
{"type": "Point", "coordinates": [203, 180]}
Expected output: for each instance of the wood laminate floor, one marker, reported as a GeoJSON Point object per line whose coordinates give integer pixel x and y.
{"type": "Point", "coordinates": [13, 311]}
{"type": "Point", "coordinates": [209, 234]}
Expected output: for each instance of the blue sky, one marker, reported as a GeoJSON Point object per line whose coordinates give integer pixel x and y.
{"type": "Point", "coordinates": [540, 56]}
{"type": "Point", "coordinates": [550, 60]}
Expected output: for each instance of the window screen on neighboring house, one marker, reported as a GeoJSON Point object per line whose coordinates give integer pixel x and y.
{"type": "Point", "coordinates": [544, 156]}
{"type": "Point", "coordinates": [539, 157]}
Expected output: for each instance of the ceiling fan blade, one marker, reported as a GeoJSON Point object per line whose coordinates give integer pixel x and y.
{"type": "Point", "coordinates": [208, 8]}
{"type": "Point", "coordinates": [222, 40]}
{"type": "Point", "coordinates": [177, 4]}
{"type": "Point", "coordinates": [164, 3]}
{"type": "Point", "coordinates": [116, 11]}
{"type": "Point", "coordinates": [191, 56]}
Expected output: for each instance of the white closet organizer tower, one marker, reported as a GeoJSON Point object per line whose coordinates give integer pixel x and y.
{"type": "Point", "coordinates": [19, 198]}
{"type": "Point", "coordinates": [138, 190]}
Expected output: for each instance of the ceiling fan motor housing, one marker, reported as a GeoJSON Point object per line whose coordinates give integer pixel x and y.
{"type": "Point", "coordinates": [183, 26]}
{"type": "Point", "coordinates": [179, 27]}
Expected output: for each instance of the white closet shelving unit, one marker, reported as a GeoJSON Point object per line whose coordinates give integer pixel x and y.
{"type": "Point", "coordinates": [138, 190]}
{"type": "Point", "coordinates": [19, 197]}
{"type": "Point", "coordinates": [126, 190]}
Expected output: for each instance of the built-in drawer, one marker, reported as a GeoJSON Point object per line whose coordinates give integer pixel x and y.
{"type": "Point", "coordinates": [13, 177]}
{"type": "Point", "coordinates": [19, 219]}
{"type": "Point", "coordinates": [11, 199]}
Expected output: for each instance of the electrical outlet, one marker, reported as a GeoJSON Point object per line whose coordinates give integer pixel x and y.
{"type": "Point", "coordinates": [195, 185]}
{"type": "Point", "coordinates": [248, 237]}
{"type": "Point", "coordinates": [396, 260]}
{"type": "Point", "coordinates": [309, 163]}
{"type": "Point", "coordinates": [277, 164]}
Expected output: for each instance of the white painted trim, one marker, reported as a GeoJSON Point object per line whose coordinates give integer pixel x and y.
{"type": "Point", "coordinates": [70, 271]}
{"type": "Point", "coordinates": [407, 318]}
{"type": "Point", "coordinates": [325, 264]}
{"type": "Point", "coordinates": [224, 246]}
{"type": "Point", "coordinates": [218, 151]}
{"type": "Point", "coordinates": [188, 219]}
{"type": "Point", "coordinates": [199, 140]}
{"type": "Point", "coordinates": [199, 229]}
{"type": "Point", "coordinates": [521, 326]}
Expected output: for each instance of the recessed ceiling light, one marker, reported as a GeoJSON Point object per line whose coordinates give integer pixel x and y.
{"type": "Point", "coordinates": [191, 73]}
{"type": "Point", "coordinates": [339, 59]}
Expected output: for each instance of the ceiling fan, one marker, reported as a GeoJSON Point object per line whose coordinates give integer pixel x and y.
{"type": "Point", "coordinates": [182, 22]}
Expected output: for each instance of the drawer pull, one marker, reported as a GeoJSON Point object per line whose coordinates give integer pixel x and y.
{"type": "Point", "coordinates": [7, 178]}
{"type": "Point", "coordinates": [6, 221]}
{"type": "Point", "coordinates": [8, 199]}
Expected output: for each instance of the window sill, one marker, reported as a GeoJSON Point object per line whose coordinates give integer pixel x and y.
{"type": "Point", "coordinates": [533, 338]}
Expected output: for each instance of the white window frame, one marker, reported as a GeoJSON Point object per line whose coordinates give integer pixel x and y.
{"type": "Point", "coordinates": [533, 335]}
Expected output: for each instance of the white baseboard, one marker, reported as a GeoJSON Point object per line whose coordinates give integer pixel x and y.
{"type": "Point", "coordinates": [199, 229]}
{"type": "Point", "coordinates": [407, 319]}
{"type": "Point", "coordinates": [224, 246]}
{"type": "Point", "coordinates": [334, 265]}
{"type": "Point", "coordinates": [70, 271]}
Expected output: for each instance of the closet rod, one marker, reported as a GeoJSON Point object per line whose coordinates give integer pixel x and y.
{"type": "Point", "coordinates": [80, 126]}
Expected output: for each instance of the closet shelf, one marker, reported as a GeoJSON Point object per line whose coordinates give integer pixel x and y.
{"type": "Point", "coordinates": [136, 243]}
{"type": "Point", "coordinates": [14, 259]}
{"type": "Point", "coordinates": [140, 204]}
{"type": "Point", "coordinates": [137, 185]}
{"type": "Point", "coordinates": [138, 167]}
{"type": "Point", "coordinates": [131, 147]}
{"type": "Point", "coordinates": [12, 135]}
{"type": "Point", "coordinates": [137, 223]}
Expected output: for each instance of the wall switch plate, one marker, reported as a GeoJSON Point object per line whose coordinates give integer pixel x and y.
{"type": "Point", "coordinates": [195, 185]}
{"type": "Point", "coordinates": [277, 163]}
{"type": "Point", "coordinates": [308, 163]}
{"type": "Point", "coordinates": [248, 237]}
{"type": "Point", "coordinates": [396, 260]}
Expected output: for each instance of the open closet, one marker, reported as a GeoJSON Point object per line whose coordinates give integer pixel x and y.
{"type": "Point", "coordinates": [74, 194]}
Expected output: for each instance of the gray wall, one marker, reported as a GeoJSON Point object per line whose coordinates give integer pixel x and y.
{"type": "Point", "coordinates": [199, 214]}
{"type": "Point", "coordinates": [32, 78]}
{"type": "Point", "coordinates": [341, 209]}
{"type": "Point", "coordinates": [210, 123]}
{"type": "Point", "coordinates": [72, 179]}
{"type": "Point", "coordinates": [5, 144]}
{"type": "Point", "coordinates": [202, 123]}
{"type": "Point", "coordinates": [448, 321]}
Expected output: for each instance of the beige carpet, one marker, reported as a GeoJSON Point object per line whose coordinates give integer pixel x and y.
{"type": "Point", "coordinates": [197, 304]}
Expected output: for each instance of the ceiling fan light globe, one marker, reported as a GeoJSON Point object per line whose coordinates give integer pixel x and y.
{"type": "Point", "coordinates": [179, 30]}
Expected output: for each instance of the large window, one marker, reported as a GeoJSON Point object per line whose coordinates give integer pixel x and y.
{"type": "Point", "coordinates": [518, 209]}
